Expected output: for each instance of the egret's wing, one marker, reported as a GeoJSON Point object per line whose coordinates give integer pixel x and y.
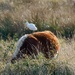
{"type": "Point", "coordinates": [32, 26]}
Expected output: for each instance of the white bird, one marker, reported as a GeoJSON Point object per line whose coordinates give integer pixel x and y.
{"type": "Point", "coordinates": [31, 26]}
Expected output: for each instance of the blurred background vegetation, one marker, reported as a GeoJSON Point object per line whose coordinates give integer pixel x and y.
{"type": "Point", "coordinates": [57, 16]}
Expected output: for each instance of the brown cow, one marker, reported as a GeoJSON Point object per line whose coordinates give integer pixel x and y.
{"type": "Point", "coordinates": [45, 42]}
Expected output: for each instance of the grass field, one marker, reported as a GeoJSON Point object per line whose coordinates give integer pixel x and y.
{"type": "Point", "coordinates": [57, 16]}
{"type": "Point", "coordinates": [64, 64]}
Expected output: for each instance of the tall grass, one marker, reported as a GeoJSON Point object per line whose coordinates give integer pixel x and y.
{"type": "Point", "coordinates": [55, 15]}
{"type": "Point", "coordinates": [62, 65]}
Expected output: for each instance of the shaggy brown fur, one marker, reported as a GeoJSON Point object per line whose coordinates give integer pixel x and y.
{"type": "Point", "coordinates": [45, 42]}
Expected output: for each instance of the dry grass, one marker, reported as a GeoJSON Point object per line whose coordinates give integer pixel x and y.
{"type": "Point", "coordinates": [55, 13]}
{"type": "Point", "coordinates": [46, 10]}
{"type": "Point", "coordinates": [64, 64]}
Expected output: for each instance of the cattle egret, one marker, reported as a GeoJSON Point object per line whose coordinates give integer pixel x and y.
{"type": "Point", "coordinates": [31, 26]}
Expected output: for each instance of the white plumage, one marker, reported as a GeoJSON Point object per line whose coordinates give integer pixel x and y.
{"type": "Point", "coordinates": [31, 26]}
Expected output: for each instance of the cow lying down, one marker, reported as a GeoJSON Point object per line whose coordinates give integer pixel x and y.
{"type": "Point", "coordinates": [45, 42]}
